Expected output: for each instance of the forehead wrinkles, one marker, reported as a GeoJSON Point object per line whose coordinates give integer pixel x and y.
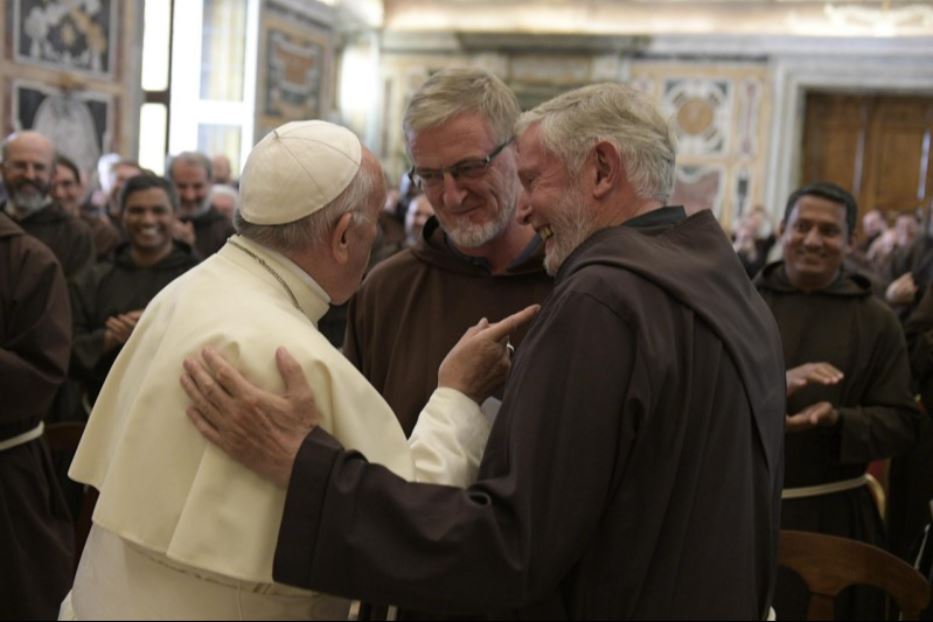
{"type": "Point", "coordinates": [464, 137]}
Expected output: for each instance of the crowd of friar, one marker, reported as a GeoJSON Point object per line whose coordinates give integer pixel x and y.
{"type": "Point", "coordinates": [463, 236]}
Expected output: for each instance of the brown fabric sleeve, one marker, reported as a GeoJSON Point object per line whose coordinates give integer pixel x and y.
{"type": "Point", "coordinates": [300, 521]}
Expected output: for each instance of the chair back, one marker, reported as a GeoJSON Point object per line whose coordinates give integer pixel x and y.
{"type": "Point", "coordinates": [829, 564]}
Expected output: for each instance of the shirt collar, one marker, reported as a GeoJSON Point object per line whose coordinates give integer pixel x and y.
{"type": "Point", "coordinates": [530, 249]}
{"type": "Point", "coordinates": [312, 298]}
{"type": "Point", "coordinates": [663, 216]}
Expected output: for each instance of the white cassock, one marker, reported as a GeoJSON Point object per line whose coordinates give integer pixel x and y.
{"type": "Point", "coordinates": [180, 529]}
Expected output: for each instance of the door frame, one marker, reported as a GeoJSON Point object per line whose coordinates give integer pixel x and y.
{"type": "Point", "coordinates": [794, 77]}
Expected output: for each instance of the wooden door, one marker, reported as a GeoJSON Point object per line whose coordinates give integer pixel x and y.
{"type": "Point", "coordinates": [878, 147]}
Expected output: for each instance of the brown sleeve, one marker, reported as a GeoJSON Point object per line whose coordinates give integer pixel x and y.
{"type": "Point", "coordinates": [354, 529]}
{"type": "Point", "coordinates": [36, 330]}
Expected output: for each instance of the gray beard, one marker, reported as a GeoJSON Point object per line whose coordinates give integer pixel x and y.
{"type": "Point", "coordinates": [474, 236]}
{"type": "Point", "coordinates": [21, 207]}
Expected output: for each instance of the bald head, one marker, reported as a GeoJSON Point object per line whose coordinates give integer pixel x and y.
{"type": "Point", "coordinates": [27, 170]}
{"type": "Point", "coordinates": [27, 139]}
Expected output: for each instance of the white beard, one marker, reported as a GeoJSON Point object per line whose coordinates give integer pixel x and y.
{"type": "Point", "coordinates": [473, 236]}
{"type": "Point", "coordinates": [571, 227]}
{"type": "Point", "coordinates": [24, 206]}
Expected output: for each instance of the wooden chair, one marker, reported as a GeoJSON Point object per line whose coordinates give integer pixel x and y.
{"type": "Point", "coordinates": [64, 437]}
{"type": "Point", "coordinates": [829, 564]}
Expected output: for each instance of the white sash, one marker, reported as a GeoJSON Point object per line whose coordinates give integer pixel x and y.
{"type": "Point", "coordinates": [824, 489]}
{"type": "Point", "coordinates": [22, 439]}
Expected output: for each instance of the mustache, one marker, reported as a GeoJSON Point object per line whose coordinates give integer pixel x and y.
{"type": "Point", "coordinates": [39, 187]}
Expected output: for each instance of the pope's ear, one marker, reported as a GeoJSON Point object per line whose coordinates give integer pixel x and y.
{"type": "Point", "coordinates": [340, 238]}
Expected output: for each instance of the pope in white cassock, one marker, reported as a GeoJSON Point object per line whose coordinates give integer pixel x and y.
{"type": "Point", "coordinates": [181, 530]}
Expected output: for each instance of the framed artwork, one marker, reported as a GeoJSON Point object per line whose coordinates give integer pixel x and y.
{"type": "Point", "coordinates": [293, 76]}
{"type": "Point", "coordinates": [71, 35]}
{"type": "Point", "coordinates": [79, 123]}
{"type": "Point", "coordinates": [295, 64]}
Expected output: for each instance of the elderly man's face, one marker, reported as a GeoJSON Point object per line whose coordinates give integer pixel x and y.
{"type": "Point", "coordinates": [814, 241]}
{"type": "Point", "coordinates": [551, 201]}
{"type": "Point", "coordinates": [192, 184]}
{"type": "Point", "coordinates": [27, 171]}
{"type": "Point", "coordinates": [362, 233]}
{"type": "Point", "coordinates": [472, 210]}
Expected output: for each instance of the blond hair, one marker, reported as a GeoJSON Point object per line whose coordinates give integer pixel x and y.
{"type": "Point", "coordinates": [459, 90]}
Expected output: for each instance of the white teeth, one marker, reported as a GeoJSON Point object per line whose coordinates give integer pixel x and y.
{"type": "Point", "coordinates": [545, 232]}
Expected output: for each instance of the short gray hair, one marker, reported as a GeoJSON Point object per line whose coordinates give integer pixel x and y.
{"type": "Point", "coordinates": [458, 90]}
{"type": "Point", "coordinates": [572, 123]}
{"type": "Point", "coordinates": [190, 157]}
{"type": "Point", "coordinates": [313, 229]}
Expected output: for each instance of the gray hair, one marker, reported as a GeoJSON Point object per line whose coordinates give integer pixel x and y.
{"type": "Point", "coordinates": [220, 190]}
{"type": "Point", "coordinates": [572, 123]}
{"type": "Point", "coordinates": [454, 91]}
{"type": "Point", "coordinates": [189, 157]}
{"type": "Point", "coordinates": [313, 229]}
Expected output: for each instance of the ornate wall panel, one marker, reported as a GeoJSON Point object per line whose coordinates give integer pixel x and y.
{"type": "Point", "coordinates": [71, 70]}
{"type": "Point", "coordinates": [296, 65]}
{"type": "Point", "coordinates": [721, 114]}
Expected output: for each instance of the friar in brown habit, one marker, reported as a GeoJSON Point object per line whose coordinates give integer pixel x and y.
{"type": "Point", "coordinates": [28, 160]}
{"type": "Point", "coordinates": [473, 258]}
{"type": "Point", "coordinates": [849, 380]}
{"type": "Point", "coordinates": [36, 554]}
{"type": "Point", "coordinates": [634, 469]}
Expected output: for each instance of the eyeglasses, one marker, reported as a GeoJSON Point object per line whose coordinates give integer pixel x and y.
{"type": "Point", "coordinates": [431, 178]}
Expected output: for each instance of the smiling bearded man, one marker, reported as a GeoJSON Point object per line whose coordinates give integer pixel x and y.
{"type": "Point", "coordinates": [471, 259]}
{"type": "Point", "coordinates": [848, 381]}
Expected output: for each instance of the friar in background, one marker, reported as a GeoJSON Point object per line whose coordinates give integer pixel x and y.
{"type": "Point", "coordinates": [109, 300]}
{"type": "Point", "coordinates": [911, 475]}
{"type": "Point", "coordinates": [36, 542]}
{"type": "Point", "coordinates": [199, 225]}
{"type": "Point", "coordinates": [634, 470]}
{"type": "Point", "coordinates": [28, 161]}
{"type": "Point", "coordinates": [848, 380]}
{"type": "Point", "coordinates": [69, 189]}
{"type": "Point", "coordinates": [472, 260]}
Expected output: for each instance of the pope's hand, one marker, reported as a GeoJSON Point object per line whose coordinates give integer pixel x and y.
{"type": "Point", "coordinates": [260, 429]}
{"type": "Point", "coordinates": [481, 360]}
